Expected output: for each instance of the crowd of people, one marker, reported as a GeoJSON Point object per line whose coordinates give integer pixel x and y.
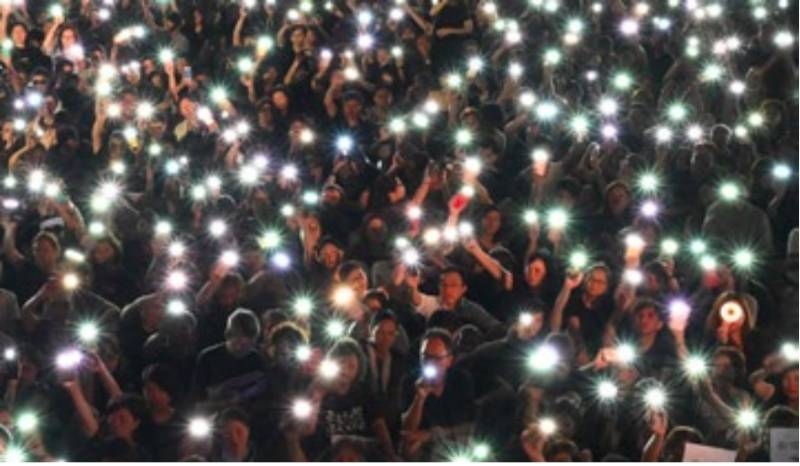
{"type": "Point", "coordinates": [352, 230]}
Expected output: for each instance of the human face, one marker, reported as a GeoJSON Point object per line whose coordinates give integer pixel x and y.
{"type": "Point", "coordinates": [236, 437]}
{"type": "Point", "coordinates": [102, 253]}
{"type": "Point", "coordinates": [434, 352]}
{"type": "Point", "coordinates": [357, 280]}
{"type": "Point", "coordinates": [383, 98]}
{"type": "Point", "coordinates": [618, 200]}
{"type": "Point", "coordinates": [597, 283]}
{"type": "Point", "coordinates": [451, 289]}
{"type": "Point", "coordinates": [68, 38]}
{"type": "Point", "coordinates": [330, 256]}
{"type": "Point", "coordinates": [647, 321]}
{"type": "Point", "coordinates": [348, 372]}
{"type": "Point", "coordinates": [8, 132]}
{"type": "Point", "coordinates": [527, 332]}
{"type": "Point", "coordinates": [45, 254]}
{"type": "Point", "coordinates": [789, 384]}
{"type": "Point", "coordinates": [722, 369]}
{"type": "Point", "coordinates": [281, 100]}
{"type": "Point", "coordinates": [122, 423]}
{"type": "Point", "coordinates": [18, 35]}
{"type": "Point", "coordinates": [536, 273]}
{"type": "Point", "coordinates": [352, 109]}
{"type": "Point", "coordinates": [186, 108]}
{"type": "Point", "coordinates": [298, 39]}
{"type": "Point", "coordinates": [490, 222]}
{"type": "Point", "coordinates": [384, 335]}
{"type": "Point", "coordinates": [229, 296]}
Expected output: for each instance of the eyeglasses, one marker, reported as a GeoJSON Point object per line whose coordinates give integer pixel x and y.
{"type": "Point", "coordinates": [38, 82]}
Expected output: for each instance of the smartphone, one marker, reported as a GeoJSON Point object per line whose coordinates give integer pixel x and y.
{"type": "Point", "coordinates": [187, 72]}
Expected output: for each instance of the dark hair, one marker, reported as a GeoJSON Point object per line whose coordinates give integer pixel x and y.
{"type": "Point", "coordinates": [347, 267]}
{"type": "Point", "coordinates": [380, 316]}
{"type": "Point", "coordinates": [242, 323]}
{"type": "Point", "coordinates": [678, 436]}
{"type": "Point", "coordinates": [133, 403]}
{"type": "Point", "coordinates": [47, 236]}
{"type": "Point", "coordinates": [560, 445]}
{"type": "Point", "coordinates": [349, 347]}
{"type": "Point", "coordinates": [737, 359]}
{"type": "Point", "coordinates": [452, 269]}
{"type": "Point", "coordinates": [444, 320]}
{"type": "Point", "coordinates": [273, 317]}
{"type": "Point", "coordinates": [645, 303]}
{"type": "Point", "coordinates": [440, 334]}
{"type": "Point", "coordinates": [378, 294]}
{"type": "Point", "coordinates": [234, 413]}
{"type": "Point", "coordinates": [286, 330]}
{"type": "Point", "coordinates": [165, 377]}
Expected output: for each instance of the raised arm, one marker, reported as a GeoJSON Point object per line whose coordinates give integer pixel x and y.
{"type": "Point", "coordinates": [88, 421]}
{"type": "Point", "coordinates": [557, 317]}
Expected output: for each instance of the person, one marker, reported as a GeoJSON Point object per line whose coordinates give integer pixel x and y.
{"type": "Point", "coordinates": [439, 401]}
{"type": "Point", "coordinates": [342, 406]}
{"type": "Point", "coordinates": [452, 289]}
{"type": "Point", "coordinates": [236, 357]}
{"type": "Point", "coordinates": [605, 229]}
{"type": "Point", "coordinates": [234, 442]}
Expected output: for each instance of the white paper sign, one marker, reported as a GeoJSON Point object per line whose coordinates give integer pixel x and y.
{"type": "Point", "coordinates": [694, 452]}
{"type": "Point", "coordinates": [783, 445]}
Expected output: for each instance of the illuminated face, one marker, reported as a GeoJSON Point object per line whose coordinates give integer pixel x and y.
{"type": "Point", "coordinates": [527, 332]}
{"type": "Point", "coordinates": [789, 384]}
{"type": "Point", "coordinates": [348, 372]}
{"type": "Point", "coordinates": [384, 334]}
{"type": "Point", "coordinates": [434, 352]}
{"type": "Point", "coordinates": [68, 38]}
{"type": "Point", "coordinates": [648, 322]}
{"type": "Point", "coordinates": [597, 283]}
{"type": "Point", "coordinates": [18, 35]}
{"type": "Point", "coordinates": [536, 273]}
{"type": "Point", "coordinates": [8, 131]}
{"type": "Point", "coordinates": [491, 222]}
{"type": "Point", "coordinates": [281, 100]}
{"type": "Point", "coordinates": [187, 108]}
{"type": "Point", "coordinates": [618, 200]}
{"type": "Point", "coordinates": [235, 436]}
{"type": "Point", "coordinates": [329, 256]}
{"type": "Point", "coordinates": [451, 289]}
{"type": "Point", "coordinates": [357, 280]}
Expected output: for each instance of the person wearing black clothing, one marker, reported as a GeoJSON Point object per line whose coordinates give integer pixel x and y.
{"type": "Point", "coordinates": [439, 401]}
{"type": "Point", "coordinates": [236, 357]}
{"type": "Point", "coordinates": [499, 362]}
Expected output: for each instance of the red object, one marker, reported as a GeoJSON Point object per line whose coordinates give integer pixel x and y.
{"type": "Point", "coordinates": [458, 202]}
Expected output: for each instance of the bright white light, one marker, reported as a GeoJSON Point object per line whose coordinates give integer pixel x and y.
{"type": "Point", "coordinates": [607, 390]}
{"type": "Point", "coordinates": [88, 332]}
{"type": "Point", "coordinates": [302, 408]}
{"type": "Point", "coordinates": [68, 359]}
{"type": "Point", "coordinates": [217, 228]}
{"type": "Point", "coordinates": [655, 398]}
{"type": "Point", "coordinates": [177, 280]}
{"type": "Point", "coordinates": [544, 359]}
{"type": "Point", "coordinates": [199, 428]}
{"type": "Point", "coordinates": [629, 27]}
{"type": "Point", "coordinates": [328, 369]}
